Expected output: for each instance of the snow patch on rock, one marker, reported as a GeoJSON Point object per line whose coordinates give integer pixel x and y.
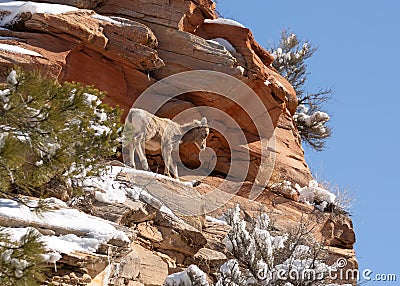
{"type": "Point", "coordinates": [15, 8]}
{"type": "Point", "coordinates": [18, 50]}
{"type": "Point", "coordinates": [60, 217]}
{"type": "Point", "coordinates": [185, 277]}
{"type": "Point", "coordinates": [224, 43]}
{"type": "Point", "coordinates": [223, 21]}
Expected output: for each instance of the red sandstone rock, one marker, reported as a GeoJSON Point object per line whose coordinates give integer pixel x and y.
{"type": "Point", "coordinates": [257, 60]}
{"type": "Point", "coordinates": [109, 56]}
{"type": "Point", "coordinates": [178, 14]}
{"type": "Point", "coordinates": [130, 43]}
{"type": "Point", "coordinates": [162, 38]}
{"type": "Point", "coordinates": [78, 47]}
{"type": "Point", "coordinates": [335, 230]}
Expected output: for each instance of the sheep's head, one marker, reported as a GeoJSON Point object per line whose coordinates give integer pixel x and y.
{"type": "Point", "coordinates": [198, 134]}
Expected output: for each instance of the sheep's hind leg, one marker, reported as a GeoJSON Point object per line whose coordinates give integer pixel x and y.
{"type": "Point", "coordinates": [166, 153]}
{"type": "Point", "coordinates": [174, 165]}
{"type": "Point", "coordinates": [175, 170]}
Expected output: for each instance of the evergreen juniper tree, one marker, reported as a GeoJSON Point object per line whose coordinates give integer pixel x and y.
{"type": "Point", "coordinates": [290, 56]}
{"type": "Point", "coordinates": [21, 261]}
{"type": "Point", "coordinates": [51, 133]}
{"type": "Point", "coordinates": [51, 136]}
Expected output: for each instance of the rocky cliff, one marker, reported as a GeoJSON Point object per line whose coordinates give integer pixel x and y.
{"type": "Point", "coordinates": [125, 46]}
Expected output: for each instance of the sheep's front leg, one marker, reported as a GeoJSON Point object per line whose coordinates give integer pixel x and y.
{"type": "Point", "coordinates": [142, 155]}
{"type": "Point", "coordinates": [132, 148]}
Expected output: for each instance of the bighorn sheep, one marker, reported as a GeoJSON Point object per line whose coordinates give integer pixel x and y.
{"type": "Point", "coordinates": [162, 133]}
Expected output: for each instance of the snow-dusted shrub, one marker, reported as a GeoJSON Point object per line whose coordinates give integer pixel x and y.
{"type": "Point", "coordinates": [284, 188]}
{"type": "Point", "coordinates": [325, 197]}
{"type": "Point", "coordinates": [312, 127]}
{"type": "Point", "coordinates": [344, 201]}
{"type": "Point", "coordinates": [290, 56]}
{"type": "Point", "coordinates": [263, 257]}
{"type": "Point", "coordinates": [315, 195]}
{"type": "Point", "coordinates": [230, 274]}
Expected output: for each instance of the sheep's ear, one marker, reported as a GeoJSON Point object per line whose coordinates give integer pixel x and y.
{"type": "Point", "coordinates": [204, 121]}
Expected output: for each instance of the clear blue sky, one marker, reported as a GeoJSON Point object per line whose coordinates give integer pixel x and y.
{"type": "Point", "coordinates": [359, 56]}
